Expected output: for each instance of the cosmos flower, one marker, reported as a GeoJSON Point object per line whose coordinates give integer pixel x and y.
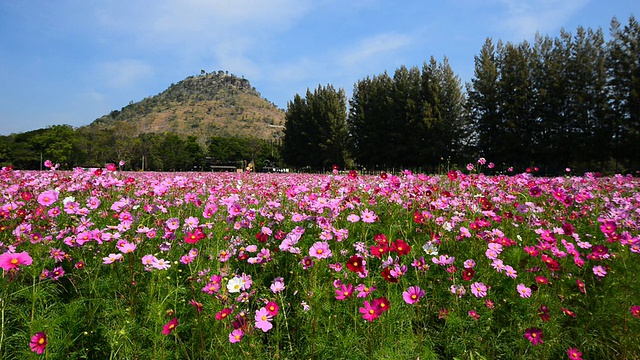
{"type": "Point", "coordinates": [11, 260]}
{"type": "Point", "coordinates": [38, 342]}
{"type": "Point", "coordinates": [320, 250]}
{"type": "Point", "coordinates": [263, 320]}
{"type": "Point", "coordinates": [534, 335]}
{"type": "Point", "coordinates": [236, 335]}
{"type": "Point", "coordinates": [413, 295]}
{"type": "Point", "coordinates": [170, 326]}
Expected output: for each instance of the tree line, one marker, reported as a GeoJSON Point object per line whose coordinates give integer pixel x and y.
{"type": "Point", "coordinates": [169, 151]}
{"type": "Point", "coordinates": [570, 101]}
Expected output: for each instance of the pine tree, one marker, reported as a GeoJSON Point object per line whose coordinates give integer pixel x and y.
{"type": "Point", "coordinates": [623, 67]}
{"type": "Point", "coordinates": [315, 129]}
{"type": "Point", "coordinates": [483, 105]}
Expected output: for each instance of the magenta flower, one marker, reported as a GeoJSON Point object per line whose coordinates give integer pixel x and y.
{"type": "Point", "coordinates": [272, 308]}
{"type": "Point", "coordinates": [263, 320]}
{"type": "Point", "coordinates": [38, 342]}
{"type": "Point", "coordinates": [236, 335]}
{"type": "Point", "coordinates": [11, 260]}
{"type": "Point", "coordinates": [412, 295]}
{"type": "Point", "coordinates": [364, 290]}
{"type": "Point", "coordinates": [635, 311]}
{"type": "Point", "coordinates": [170, 326]}
{"type": "Point", "coordinates": [534, 335]}
{"type": "Point", "coordinates": [344, 291]}
{"type": "Point", "coordinates": [223, 314]}
{"type": "Point", "coordinates": [320, 250]}
{"type": "Point", "coordinates": [574, 354]}
{"type": "Point", "coordinates": [370, 312]}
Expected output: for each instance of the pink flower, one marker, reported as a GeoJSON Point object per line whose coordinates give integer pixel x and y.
{"type": "Point", "coordinates": [170, 326]}
{"type": "Point", "coordinates": [635, 311]}
{"type": "Point", "coordinates": [48, 197]}
{"type": "Point", "coordinates": [11, 260]}
{"type": "Point", "coordinates": [353, 218]}
{"type": "Point", "coordinates": [126, 247]}
{"type": "Point", "coordinates": [534, 335]}
{"type": "Point", "coordinates": [479, 289]}
{"type": "Point", "coordinates": [412, 295]}
{"type": "Point", "coordinates": [368, 216]}
{"type": "Point", "coordinates": [277, 285]}
{"type": "Point", "coordinates": [574, 354]}
{"type": "Point", "coordinates": [370, 312]}
{"type": "Point", "coordinates": [344, 291]}
{"type": "Point", "coordinates": [364, 290]}
{"type": "Point", "coordinates": [599, 271]}
{"type": "Point", "coordinates": [38, 342]}
{"type": "Point", "coordinates": [263, 320]}
{"type": "Point", "coordinates": [524, 291]}
{"type": "Point", "coordinates": [443, 260]}
{"type": "Point", "coordinates": [320, 250]}
{"type": "Point", "coordinates": [236, 335]}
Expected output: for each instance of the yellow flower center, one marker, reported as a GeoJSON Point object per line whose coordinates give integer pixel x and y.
{"type": "Point", "coordinates": [14, 261]}
{"type": "Point", "coordinates": [41, 341]}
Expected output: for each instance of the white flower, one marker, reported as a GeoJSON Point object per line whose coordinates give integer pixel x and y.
{"type": "Point", "coordinates": [68, 199]}
{"type": "Point", "coordinates": [234, 285]}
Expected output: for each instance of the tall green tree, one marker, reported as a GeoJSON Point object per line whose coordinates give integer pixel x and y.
{"type": "Point", "coordinates": [315, 129]}
{"type": "Point", "coordinates": [623, 69]}
{"type": "Point", "coordinates": [369, 122]}
{"type": "Point", "coordinates": [483, 105]}
{"type": "Point", "coordinates": [517, 133]}
{"type": "Point", "coordinates": [456, 144]}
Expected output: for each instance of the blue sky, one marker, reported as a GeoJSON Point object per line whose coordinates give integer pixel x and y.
{"type": "Point", "coordinates": [72, 61]}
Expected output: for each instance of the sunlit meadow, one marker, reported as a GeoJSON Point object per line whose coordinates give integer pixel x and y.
{"type": "Point", "coordinates": [104, 264]}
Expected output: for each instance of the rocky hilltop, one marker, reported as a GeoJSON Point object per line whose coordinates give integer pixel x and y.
{"type": "Point", "coordinates": [210, 104]}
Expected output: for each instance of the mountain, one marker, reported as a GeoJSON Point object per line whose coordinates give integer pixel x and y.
{"type": "Point", "coordinates": [210, 104]}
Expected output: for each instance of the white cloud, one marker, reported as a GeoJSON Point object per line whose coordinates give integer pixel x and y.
{"type": "Point", "coordinates": [372, 48]}
{"type": "Point", "coordinates": [523, 18]}
{"type": "Point", "coordinates": [124, 73]}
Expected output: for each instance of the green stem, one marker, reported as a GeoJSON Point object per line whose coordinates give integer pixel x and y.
{"type": "Point", "coordinates": [286, 323]}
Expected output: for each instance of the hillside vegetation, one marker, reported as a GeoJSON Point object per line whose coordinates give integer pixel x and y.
{"type": "Point", "coordinates": [209, 105]}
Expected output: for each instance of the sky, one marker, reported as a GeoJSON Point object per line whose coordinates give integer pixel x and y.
{"type": "Point", "coordinates": [73, 61]}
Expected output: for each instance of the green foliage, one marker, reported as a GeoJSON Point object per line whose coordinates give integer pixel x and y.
{"type": "Point", "coordinates": [413, 119]}
{"type": "Point", "coordinates": [315, 129]}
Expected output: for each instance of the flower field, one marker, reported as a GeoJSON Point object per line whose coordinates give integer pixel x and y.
{"type": "Point", "coordinates": [102, 264]}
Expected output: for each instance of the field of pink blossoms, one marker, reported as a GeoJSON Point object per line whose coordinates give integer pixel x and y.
{"type": "Point", "coordinates": [102, 264]}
